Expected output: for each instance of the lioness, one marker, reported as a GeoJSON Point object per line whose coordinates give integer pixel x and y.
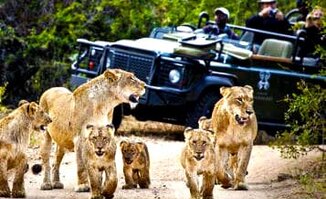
{"type": "Point", "coordinates": [198, 158]}
{"type": "Point", "coordinates": [136, 164]}
{"type": "Point", "coordinates": [235, 125]}
{"type": "Point", "coordinates": [15, 130]}
{"type": "Point", "coordinates": [90, 103]}
{"type": "Point", "coordinates": [96, 151]}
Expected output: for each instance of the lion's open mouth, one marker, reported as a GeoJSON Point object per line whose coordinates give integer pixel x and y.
{"type": "Point", "coordinates": [198, 157]}
{"type": "Point", "coordinates": [128, 161]}
{"type": "Point", "coordinates": [99, 153]}
{"type": "Point", "coordinates": [241, 120]}
{"type": "Point", "coordinates": [134, 98]}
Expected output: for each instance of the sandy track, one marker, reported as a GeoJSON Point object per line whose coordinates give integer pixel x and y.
{"type": "Point", "coordinates": [167, 175]}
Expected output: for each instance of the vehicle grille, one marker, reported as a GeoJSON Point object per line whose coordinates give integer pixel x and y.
{"type": "Point", "coordinates": [137, 63]}
{"type": "Point", "coordinates": [163, 74]}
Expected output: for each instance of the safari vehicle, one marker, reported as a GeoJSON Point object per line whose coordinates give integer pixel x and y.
{"type": "Point", "coordinates": [184, 70]}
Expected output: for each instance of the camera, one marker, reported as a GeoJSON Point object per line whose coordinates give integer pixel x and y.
{"type": "Point", "coordinates": [273, 12]}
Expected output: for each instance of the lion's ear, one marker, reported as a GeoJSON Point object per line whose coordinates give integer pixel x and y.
{"type": "Point", "coordinates": [201, 122]}
{"type": "Point", "coordinates": [140, 146]}
{"type": "Point", "coordinates": [224, 91]}
{"type": "Point", "coordinates": [251, 90]}
{"type": "Point", "coordinates": [112, 74]}
{"type": "Point", "coordinates": [186, 132]}
{"type": "Point", "coordinates": [22, 102]}
{"type": "Point", "coordinates": [87, 131]}
{"type": "Point", "coordinates": [123, 143]}
{"type": "Point", "coordinates": [31, 109]}
{"type": "Point", "coordinates": [110, 129]}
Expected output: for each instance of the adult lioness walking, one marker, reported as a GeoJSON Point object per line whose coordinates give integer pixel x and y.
{"type": "Point", "coordinates": [235, 125]}
{"type": "Point", "coordinates": [91, 103]}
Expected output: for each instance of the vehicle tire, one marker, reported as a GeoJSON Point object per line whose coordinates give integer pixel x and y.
{"type": "Point", "coordinates": [203, 107]}
{"type": "Point", "coordinates": [117, 116]}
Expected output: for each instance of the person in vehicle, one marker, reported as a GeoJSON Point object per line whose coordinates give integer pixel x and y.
{"type": "Point", "coordinates": [314, 32]}
{"type": "Point", "coordinates": [269, 19]}
{"type": "Point", "coordinates": [222, 16]}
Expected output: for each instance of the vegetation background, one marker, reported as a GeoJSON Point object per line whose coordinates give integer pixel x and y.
{"type": "Point", "coordinates": [38, 45]}
{"type": "Point", "coordinates": [38, 37]}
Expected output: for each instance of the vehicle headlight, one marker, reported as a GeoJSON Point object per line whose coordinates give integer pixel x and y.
{"type": "Point", "coordinates": [174, 76]}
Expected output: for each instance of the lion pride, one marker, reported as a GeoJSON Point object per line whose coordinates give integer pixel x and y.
{"type": "Point", "coordinates": [235, 125]}
{"type": "Point", "coordinates": [91, 103]}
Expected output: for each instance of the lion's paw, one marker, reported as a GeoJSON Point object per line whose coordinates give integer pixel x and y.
{"type": "Point", "coordinates": [57, 185]}
{"type": "Point", "coordinates": [129, 186]}
{"type": "Point", "coordinates": [97, 197]}
{"type": "Point", "coordinates": [18, 194]}
{"type": "Point", "coordinates": [82, 188]}
{"type": "Point", "coordinates": [5, 193]}
{"type": "Point", "coordinates": [110, 196]}
{"type": "Point", "coordinates": [46, 186]}
{"type": "Point", "coordinates": [241, 186]}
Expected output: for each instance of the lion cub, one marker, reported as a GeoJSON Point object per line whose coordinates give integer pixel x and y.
{"type": "Point", "coordinates": [198, 158]}
{"type": "Point", "coordinates": [97, 148]}
{"type": "Point", "coordinates": [15, 130]}
{"type": "Point", "coordinates": [136, 164]}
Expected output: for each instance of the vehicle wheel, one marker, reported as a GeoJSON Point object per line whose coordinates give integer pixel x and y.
{"type": "Point", "coordinates": [203, 107]}
{"type": "Point", "coordinates": [117, 116]}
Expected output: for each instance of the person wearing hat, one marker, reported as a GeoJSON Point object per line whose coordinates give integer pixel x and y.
{"type": "Point", "coordinates": [270, 19]}
{"type": "Point", "coordinates": [221, 18]}
{"type": "Point", "coordinates": [315, 34]}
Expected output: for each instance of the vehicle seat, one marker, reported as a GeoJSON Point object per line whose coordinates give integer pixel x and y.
{"type": "Point", "coordinates": [276, 48]}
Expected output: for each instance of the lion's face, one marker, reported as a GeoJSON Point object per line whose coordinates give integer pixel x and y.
{"type": "Point", "coordinates": [198, 141]}
{"type": "Point", "coordinates": [239, 101]}
{"type": "Point", "coordinates": [39, 118]}
{"type": "Point", "coordinates": [100, 138]}
{"type": "Point", "coordinates": [130, 88]}
{"type": "Point", "coordinates": [131, 150]}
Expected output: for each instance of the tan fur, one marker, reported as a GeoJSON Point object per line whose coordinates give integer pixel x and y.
{"type": "Point", "coordinates": [91, 103]}
{"type": "Point", "coordinates": [136, 164]}
{"type": "Point", "coordinates": [15, 130]}
{"type": "Point", "coordinates": [205, 123]}
{"type": "Point", "coordinates": [235, 125]}
{"type": "Point", "coordinates": [198, 158]}
{"type": "Point", "coordinates": [97, 148]}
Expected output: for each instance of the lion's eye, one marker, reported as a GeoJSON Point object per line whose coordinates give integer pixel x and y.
{"type": "Point", "coordinates": [204, 143]}
{"type": "Point", "coordinates": [194, 142]}
{"type": "Point", "coordinates": [239, 100]}
{"type": "Point", "coordinates": [132, 79]}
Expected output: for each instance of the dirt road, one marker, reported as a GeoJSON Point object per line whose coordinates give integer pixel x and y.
{"type": "Point", "coordinates": [167, 175]}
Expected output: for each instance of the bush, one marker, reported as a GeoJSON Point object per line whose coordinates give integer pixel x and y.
{"type": "Point", "coordinates": [306, 117]}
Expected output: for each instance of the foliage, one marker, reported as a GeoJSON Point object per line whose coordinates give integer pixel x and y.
{"type": "Point", "coordinates": [306, 117]}
{"type": "Point", "coordinates": [37, 36]}
{"type": "Point", "coordinates": [2, 92]}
